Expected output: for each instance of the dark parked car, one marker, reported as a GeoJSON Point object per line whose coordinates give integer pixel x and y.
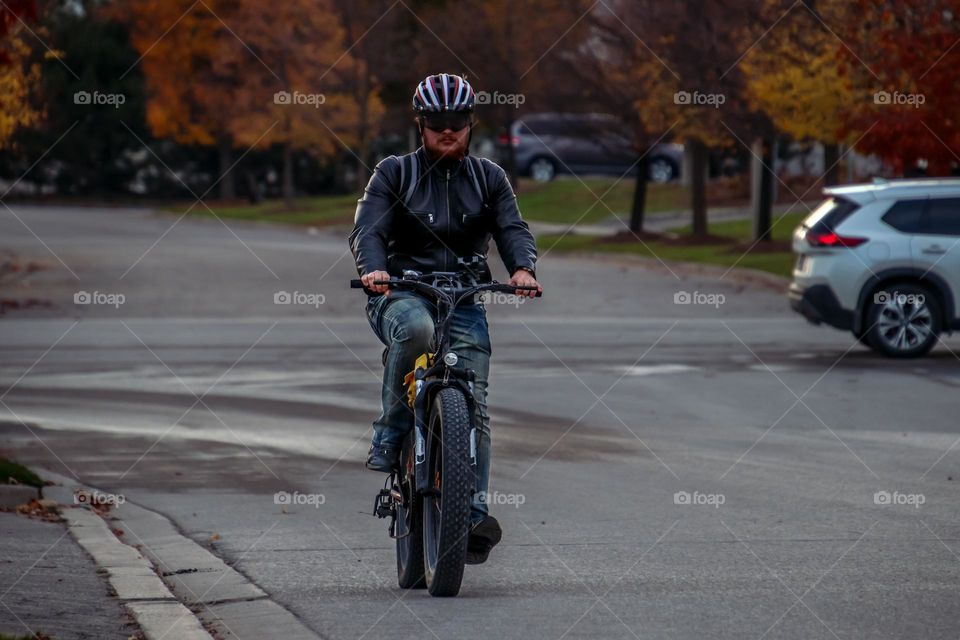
{"type": "Point", "coordinates": [547, 144]}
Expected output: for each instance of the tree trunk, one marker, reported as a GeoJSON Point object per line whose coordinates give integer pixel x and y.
{"type": "Point", "coordinates": [686, 171]}
{"type": "Point", "coordinates": [638, 207]}
{"type": "Point", "coordinates": [253, 187]}
{"type": "Point", "coordinates": [227, 182]}
{"type": "Point", "coordinates": [761, 188]}
{"type": "Point", "coordinates": [831, 155]}
{"type": "Point", "coordinates": [288, 176]}
{"type": "Point", "coordinates": [698, 186]}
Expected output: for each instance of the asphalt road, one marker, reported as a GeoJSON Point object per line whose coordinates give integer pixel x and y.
{"type": "Point", "coordinates": [199, 397]}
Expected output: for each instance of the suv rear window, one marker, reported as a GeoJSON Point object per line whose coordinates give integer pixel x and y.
{"type": "Point", "coordinates": [828, 216]}
{"type": "Point", "coordinates": [905, 215]}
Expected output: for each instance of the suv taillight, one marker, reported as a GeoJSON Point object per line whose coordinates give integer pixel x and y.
{"type": "Point", "coordinates": [832, 239]}
{"type": "Point", "coordinates": [504, 140]}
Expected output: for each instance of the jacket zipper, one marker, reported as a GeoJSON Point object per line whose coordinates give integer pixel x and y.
{"type": "Point", "coordinates": [445, 267]}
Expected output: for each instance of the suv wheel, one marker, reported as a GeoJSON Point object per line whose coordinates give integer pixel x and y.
{"type": "Point", "coordinates": [903, 321]}
{"type": "Point", "coordinates": [542, 169]}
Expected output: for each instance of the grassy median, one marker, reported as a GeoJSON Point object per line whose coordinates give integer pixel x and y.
{"type": "Point", "coordinates": [728, 245]}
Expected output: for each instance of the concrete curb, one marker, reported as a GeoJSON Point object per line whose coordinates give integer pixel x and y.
{"type": "Point", "coordinates": [132, 577]}
{"type": "Point", "coordinates": [171, 585]}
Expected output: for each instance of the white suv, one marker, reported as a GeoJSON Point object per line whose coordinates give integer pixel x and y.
{"type": "Point", "coordinates": [883, 261]}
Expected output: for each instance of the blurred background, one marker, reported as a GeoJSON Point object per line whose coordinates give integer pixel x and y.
{"type": "Point", "coordinates": [280, 110]}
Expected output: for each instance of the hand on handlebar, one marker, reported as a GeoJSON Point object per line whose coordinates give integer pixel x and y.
{"type": "Point", "coordinates": [369, 278]}
{"type": "Point", "coordinates": [523, 278]}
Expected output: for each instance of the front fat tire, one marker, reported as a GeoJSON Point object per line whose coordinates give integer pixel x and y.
{"type": "Point", "coordinates": [921, 335]}
{"type": "Point", "coordinates": [445, 533]}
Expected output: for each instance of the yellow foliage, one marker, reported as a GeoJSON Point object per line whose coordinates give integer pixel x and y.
{"type": "Point", "coordinates": [16, 80]}
{"type": "Point", "coordinates": [214, 75]}
{"type": "Point", "coordinates": [795, 77]}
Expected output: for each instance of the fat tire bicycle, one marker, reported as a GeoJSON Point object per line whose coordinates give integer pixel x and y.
{"type": "Point", "coordinates": [429, 494]}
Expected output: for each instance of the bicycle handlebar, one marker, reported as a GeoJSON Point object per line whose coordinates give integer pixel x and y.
{"type": "Point", "coordinates": [356, 283]}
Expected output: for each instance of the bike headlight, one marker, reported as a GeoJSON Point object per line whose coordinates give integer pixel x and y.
{"type": "Point", "coordinates": [451, 359]}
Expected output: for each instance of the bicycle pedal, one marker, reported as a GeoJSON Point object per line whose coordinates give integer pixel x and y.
{"type": "Point", "coordinates": [383, 504]}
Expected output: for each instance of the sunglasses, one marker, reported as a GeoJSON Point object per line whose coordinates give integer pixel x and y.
{"type": "Point", "coordinates": [440, 122]}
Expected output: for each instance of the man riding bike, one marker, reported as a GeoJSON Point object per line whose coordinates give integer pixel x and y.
{"type": "Point", "coordinates": [428, 211]}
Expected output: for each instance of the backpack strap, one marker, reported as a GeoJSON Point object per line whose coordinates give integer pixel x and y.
{"type": "Point", "coordinates": [409, 177]}
{"type": "Point", "coordinates": [412, 174]}
{"type": "Point", "coordinates": [475, 165]}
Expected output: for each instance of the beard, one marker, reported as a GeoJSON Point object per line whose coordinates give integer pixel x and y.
{"type": "Point", "coordinates": [447, 147]}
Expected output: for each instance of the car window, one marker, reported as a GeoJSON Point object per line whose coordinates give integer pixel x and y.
{"type": "Point", "coordinates": [905, 215]}
{"type": "Point", "coordinates": [546, 127]}
{"type": "Point", "coordinates": [942, 217]}
{"type": "Point", "coordinates": [829, 214]}
{"type": "Point", "coordinates": [572, 125]}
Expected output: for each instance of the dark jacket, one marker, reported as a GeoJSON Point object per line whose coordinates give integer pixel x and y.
{"type": "Point", "coordinates": [444, 218]}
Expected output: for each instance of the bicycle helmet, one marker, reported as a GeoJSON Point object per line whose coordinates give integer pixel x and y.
{"type": "Point", "coordinates": [443, 92]}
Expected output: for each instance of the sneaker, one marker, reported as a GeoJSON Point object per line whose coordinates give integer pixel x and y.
{"type": "Point", "coordinates": [484, 536]}
{"type": "Point", "coordinates": [384, 457]}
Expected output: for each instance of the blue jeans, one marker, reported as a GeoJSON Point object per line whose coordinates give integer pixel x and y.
{"type": "Point", "coordinates": [404, 323]}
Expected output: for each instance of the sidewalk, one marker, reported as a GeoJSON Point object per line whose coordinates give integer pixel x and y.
{"type": "Point", "coordinates": [49, 585]}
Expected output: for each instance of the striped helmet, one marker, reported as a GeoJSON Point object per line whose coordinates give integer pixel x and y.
{"type": "Point", "coordinates": [443, 92]}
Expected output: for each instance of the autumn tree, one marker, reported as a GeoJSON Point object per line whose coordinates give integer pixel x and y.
{"type": "Point", "coordinates": [904, 69]}
{"type": "Point", "coordinates": [687, 79]}
{"type": "Point", "coordinates": [13, 14]}
{"type": "Point", "coordinates": [616, 73]}
{"type": "Point", "coordinates": [369, 32]}
{"type": "Point", "coordinates": [190, 96]}
{"type": "Point", "coordinates": [795, 76]}
{"type": "Point", "coordinates": [17, 76]}
{"type": "Point", "coordinates": [291, 91]}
